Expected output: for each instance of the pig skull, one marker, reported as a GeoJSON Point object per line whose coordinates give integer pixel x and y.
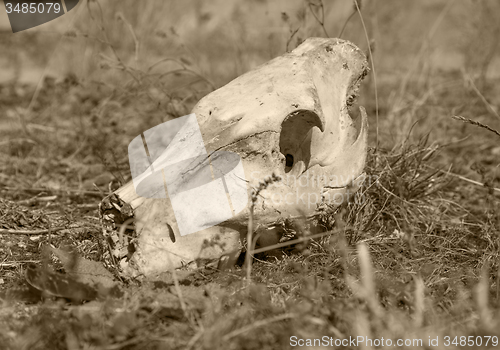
{"type": "Point", "coordinates": [288, 117]}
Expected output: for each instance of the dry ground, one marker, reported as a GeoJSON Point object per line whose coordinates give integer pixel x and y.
{"type": "Point", "coordinates": [416, 259]}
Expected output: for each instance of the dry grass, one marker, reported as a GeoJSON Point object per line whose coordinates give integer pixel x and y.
{"type": "Point", "coordinates": [415, 257]}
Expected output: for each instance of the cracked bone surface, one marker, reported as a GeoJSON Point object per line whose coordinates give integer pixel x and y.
{"type": "Point", "coordinates": [289, 117]}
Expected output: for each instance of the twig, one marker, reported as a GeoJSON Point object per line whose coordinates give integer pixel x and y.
{"type": "Point", "coordinates": [184, 69]}
{"type": "Point", "coordinates": [373, 69]}
{"type": "Point", "coordinates": [190, 71]}
{"type": "Point", "coordinates": [489, 107]}
{"type": "Point", "coordinates": [476, 123]}
{"type": "Point", "coordinates": [31, 232]}
{"type": "Point", "coordinates": [292, 34]}
{"type": "Point", "coordinates": [17, 263]}
{"type": "Point", "coordinates": [345, 23]}
{"type": "Point", "coordinates": [134, 37]}
{"type": "Point", "coordinates": [465, 179]}
{"type": "Point", "coordinates": [166, 59]}
{"type": "Point", "coordinates": [322, 21]}
{"type": "Point", "coordinates": [250, 251]}
{"type": "Point", "coordinates": [37, 198]}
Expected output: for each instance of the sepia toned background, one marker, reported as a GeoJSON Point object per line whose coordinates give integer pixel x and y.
{"type": "Point", "coordinates": [75, 91]}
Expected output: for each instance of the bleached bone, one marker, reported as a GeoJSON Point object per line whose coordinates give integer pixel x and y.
{"type": "Point", "coordinates": [288, 117]}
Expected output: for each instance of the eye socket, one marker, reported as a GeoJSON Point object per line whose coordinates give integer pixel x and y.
{"type": "Point", "coordinates": [289, 161]}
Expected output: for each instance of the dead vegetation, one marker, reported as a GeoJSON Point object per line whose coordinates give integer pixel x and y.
{"type": "Point", "coordinates": [416, 255]}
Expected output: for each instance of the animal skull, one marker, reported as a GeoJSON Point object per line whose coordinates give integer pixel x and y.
{"type": "Point", "coordinates": [288, 117]}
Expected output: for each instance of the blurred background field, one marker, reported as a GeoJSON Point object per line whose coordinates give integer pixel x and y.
{"type": "Point", "coordinates": [155, 59]}
{"type": "Point", "coordinates": [75, 91]}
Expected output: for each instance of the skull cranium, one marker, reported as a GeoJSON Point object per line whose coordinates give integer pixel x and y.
{"type": "Point", "coordinates": [288, 117]}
